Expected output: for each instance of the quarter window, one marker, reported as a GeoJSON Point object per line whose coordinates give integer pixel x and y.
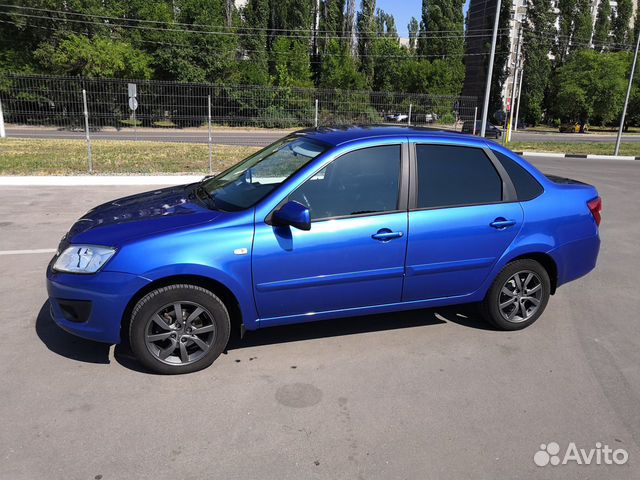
{"type": "Point", "coordinates": [359, 182]}
{"type": "Point", "coordinates": [526, 186]}
{"type": "Point", "coordinates": [450, 176]}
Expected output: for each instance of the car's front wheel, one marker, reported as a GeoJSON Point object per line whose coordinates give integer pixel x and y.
{"type": "Point", "coordinates": [518, 296]}
{"type": "Point", "coordinates": [179, 329]}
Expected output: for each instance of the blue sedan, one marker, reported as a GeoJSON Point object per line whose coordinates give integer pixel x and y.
{"type": "Point", "coordinates": [324, 223]}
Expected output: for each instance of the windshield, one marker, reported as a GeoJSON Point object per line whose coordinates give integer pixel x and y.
{"type": "Point", "coordinates": [248, 182]}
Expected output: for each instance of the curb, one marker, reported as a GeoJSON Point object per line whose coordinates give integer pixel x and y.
{"type": "Point", "coordinates": [97, 180]}
{"type": "Point", "coordinates": [578, 155]}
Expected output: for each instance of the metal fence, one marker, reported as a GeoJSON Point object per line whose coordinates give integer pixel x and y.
{"type": "Point", "coordinates": [58, 102]}
{"type": "Point", "coordinates": [72, 107]}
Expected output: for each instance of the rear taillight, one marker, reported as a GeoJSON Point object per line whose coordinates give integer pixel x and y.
{"type": "Point", "coordinates": [595, 207]}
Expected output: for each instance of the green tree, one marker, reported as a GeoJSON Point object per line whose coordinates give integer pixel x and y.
{"type": "Point", "coordinates": [582, 25]}
{"type": "Point", "coordinates": [340, 70]}
{"type": "Point", "coordinates": [602, 27]}
{"type": "Point", "coordinates": [441, 37]}
{"type": "Point", "coordinates": [254, 69]}
{"type": "Point", "coordinates": [385, 24]}
{"type": "Point", "coordinates": [413, 28]}
{"type": "Point", "coordinates": [349, 21]}
{"type": "Point", "coordinates": [442, 16]}
{"type": "Point", "coordinates": [291, 61]}
{"type": "Point", "coordinates": [538, 35]}
{"type": "Point", "coordinates": [388, 55]}
{"type": "Point", "coordinates": [186, 56]}
{"type": "Point", "coordinates": [591, 86]}
{"type": "Point", "coordinates": [331, 27]}
{"type": "Point", "coordinates": [95, 57]}
{"type": "Point", "coordinates": [621, 22]}
{"type": "Point", "coordinates": [366, 27]}
{"type": "Point", "coordinates": [566, 15]}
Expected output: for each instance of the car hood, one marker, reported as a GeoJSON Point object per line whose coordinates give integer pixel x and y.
{"type": "Point", "coordinates": [135, 216]}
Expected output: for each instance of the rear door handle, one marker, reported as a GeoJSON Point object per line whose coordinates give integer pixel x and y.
{"type": "Point", "coordinates": [501, 223]}
{"type": "Point", "coordinates": [384, 235]}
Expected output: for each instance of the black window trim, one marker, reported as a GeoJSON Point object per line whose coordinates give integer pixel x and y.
{"type": "Point", "coordinates": [508, 190]}
{"type": "Point", "coordinates": [542, 189]}
{"type": "Point", "coordinates": [403, 190]}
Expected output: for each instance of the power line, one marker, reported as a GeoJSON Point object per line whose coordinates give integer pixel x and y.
{"type": "Point", "coordinates": [232, 29]}
{"type": "Point", "coordinates": [433, 35]}
{"type": "Point", "coordinates": [272, 52]}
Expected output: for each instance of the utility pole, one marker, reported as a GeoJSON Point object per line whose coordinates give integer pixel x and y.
{"type": "Point", "coordinates": [487, 90]}
{"type": "Point", "coordinates": [513, 85]}
{"type": "Point", "coordinates": [626, 100]}
{"type": "Point", "coordinates": [3, 133]}
{"type": "Point", "coordinates": [515, 127]}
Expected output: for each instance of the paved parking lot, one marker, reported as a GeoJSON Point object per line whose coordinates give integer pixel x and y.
{"type": "Point", "coordinates": [425, 394]}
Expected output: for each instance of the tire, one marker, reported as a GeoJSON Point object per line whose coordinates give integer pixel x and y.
{"type": "Point", "coordinates": [167, 344]}
{"type": "Point", "coordinates": [509, 306]}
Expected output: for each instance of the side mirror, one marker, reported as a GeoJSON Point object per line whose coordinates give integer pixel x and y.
{"type": "Point", "coordinates": [294, 214]}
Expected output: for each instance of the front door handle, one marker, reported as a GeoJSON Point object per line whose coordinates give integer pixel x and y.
{"type": "Point", "coordinates": [384, 235]}
{"type": "Point", "coordinates": [501, 223]}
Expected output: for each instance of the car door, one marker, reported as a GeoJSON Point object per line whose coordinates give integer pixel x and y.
{"type": "Point", "coordinates": [353, 255]}
{"type": "Point", "coordinates": [463, 215]}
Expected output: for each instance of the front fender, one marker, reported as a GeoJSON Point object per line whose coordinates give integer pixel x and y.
{"type": "Point", "coordinates": [241, 291]}
{"type": "Point", "coordinates": [220, 251]}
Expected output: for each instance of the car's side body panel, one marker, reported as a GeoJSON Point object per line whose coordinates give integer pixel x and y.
{"type": "Point", "coordinates": [333, 266]}
{"type": "Point", "coordinates": [337, 264]}
{"type": "Point", "coordinates": [446, 256]}
{"type": "Point", "coordinates": [452, 250]}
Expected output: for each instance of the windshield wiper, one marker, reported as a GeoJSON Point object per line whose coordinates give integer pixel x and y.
{"type": "Point", "coordinates": [201, 193]}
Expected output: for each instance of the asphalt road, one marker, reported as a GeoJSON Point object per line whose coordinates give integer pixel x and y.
{"type": "Point", "coordinates": [425, 394]}
{"type": "Point", "coordinates": [265, 137]}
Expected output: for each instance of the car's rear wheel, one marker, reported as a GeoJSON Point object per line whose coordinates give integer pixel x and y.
{"type": "Point", "coordinates": [518, 296]}
{"type": "Point", "coordinates": [179, 329]}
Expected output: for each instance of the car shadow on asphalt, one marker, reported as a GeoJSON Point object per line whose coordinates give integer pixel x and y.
{"type": "Point", "coordinates": [67, 345]}
{"type": "Point", "coordinates": [75, 348]}
{"type": "Point", "coordinates": [462, 315]}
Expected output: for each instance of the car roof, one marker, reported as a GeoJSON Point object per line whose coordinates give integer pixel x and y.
{"type": "Point", "coordinates": [339, 135]}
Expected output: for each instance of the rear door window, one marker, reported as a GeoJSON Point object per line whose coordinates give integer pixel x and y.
{"type": "Point", "coordinates": [452, 176]}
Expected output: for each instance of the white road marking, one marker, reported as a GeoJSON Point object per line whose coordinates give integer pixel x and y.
{"type": "Point", "coordinates": [26, 252]}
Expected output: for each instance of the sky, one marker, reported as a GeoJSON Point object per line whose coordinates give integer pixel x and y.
{"type": "Point", "coordinates": [403, 10]}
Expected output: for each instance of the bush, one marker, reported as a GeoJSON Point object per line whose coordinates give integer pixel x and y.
{"type": "Point", "coordinates": [447, 119]}
{"type": "Point", "coordinates": [130, 122]}
{"type": "Point", "coordinates": [277, 117]}
{"type": "Point", "coordinates": [164, 124]}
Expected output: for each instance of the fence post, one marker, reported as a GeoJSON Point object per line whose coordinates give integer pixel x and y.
{"type": "Point", "coordinates": [475, 119]}
{"type": "Point", "coordinates": [315, 123]}
{"type": "Point", "coordinates": [409, 119]}
{"type": "Point", "coordinates": [3, 133]}
{"type": "Point", "coordinates": [209, 126]}
{"type": "Point", "coordinates": [86, 128]}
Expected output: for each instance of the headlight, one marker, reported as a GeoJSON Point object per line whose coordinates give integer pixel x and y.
{"type": "Point", "coordinates": [83, 258]}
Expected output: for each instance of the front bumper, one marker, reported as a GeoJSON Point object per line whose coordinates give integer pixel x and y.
{"type": "Point", "coordinates": [91, 306]}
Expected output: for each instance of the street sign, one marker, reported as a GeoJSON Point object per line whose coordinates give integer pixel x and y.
{"type": "Point", "coordinates": [133, 90]}
{"type": "Point", "coordinates": [133, 103]}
